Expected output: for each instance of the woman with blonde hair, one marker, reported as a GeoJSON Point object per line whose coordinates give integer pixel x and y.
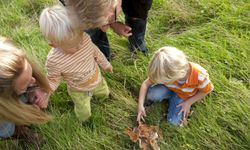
{"type": "Point", "coordinates": [23, 90]}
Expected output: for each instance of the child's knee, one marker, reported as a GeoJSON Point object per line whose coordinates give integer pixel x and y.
{"type": "Point", "coordinates": [105, 93]}
{"type": "Point", "coordinates": [157, 93]}
{"type": "Point", "coordinates": [174, 118]}
{"type": "Point", "coordinates": [102, 95]}
{"type": "Point", "coordinates": [174, 122]}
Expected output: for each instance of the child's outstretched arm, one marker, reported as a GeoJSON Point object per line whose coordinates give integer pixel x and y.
{"type": "Point", "coordinates": [143, 91]}
{"type": "Point", "coordinates": [187, 103]}
{"type": "Point", "coordinates": [53, 75]}
{"type": "Point", "coordinates": [102, 60]}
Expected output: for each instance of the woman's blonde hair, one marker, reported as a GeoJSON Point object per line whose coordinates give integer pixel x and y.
{"type": "Point", "coordinates": [92, 13]}
{"type": "Point", "coordinates": [168, 64]}
{"type": "Point", "coordinates": [11, 66]}
{"type": "Point", "coordinates": [59, 24]}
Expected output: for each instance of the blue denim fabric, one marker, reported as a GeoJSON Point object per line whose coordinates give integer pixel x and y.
{"type": "Point", "coordinates": [7, 129]}
{"type": "Point", "coordinates": [160, 92]}
{"type": "Point", "coordinates": [100, 39]}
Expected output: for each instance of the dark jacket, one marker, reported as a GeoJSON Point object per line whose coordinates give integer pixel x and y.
{"type": "Point", "coordinates": [136, 8]}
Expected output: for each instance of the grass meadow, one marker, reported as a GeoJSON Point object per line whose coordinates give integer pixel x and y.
{"type": "Point", "coordinates": [213, 33]}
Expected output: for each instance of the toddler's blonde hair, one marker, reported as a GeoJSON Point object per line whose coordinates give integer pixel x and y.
{"type": "Point", "coordinates": [168, 64]}
{"type": "Point", "coordinates": [59, 24]}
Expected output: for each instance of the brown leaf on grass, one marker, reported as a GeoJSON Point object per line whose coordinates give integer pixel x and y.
{"type": "Point", "coordinates": [143, 144]}
{"type": "Point", "coordinates": [147, 136]}
{"type": "Point", "coordinates": [133, 135]}
{"type": "Point", "coordinates": [144, 130]}
{"type": "Point", "coordinates": [153, 141]}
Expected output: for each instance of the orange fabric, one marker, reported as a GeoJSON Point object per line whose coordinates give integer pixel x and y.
{"type": "Point", "coordinates": [193, 84]}
{"type": "Point", "coordinates": [92, 79]}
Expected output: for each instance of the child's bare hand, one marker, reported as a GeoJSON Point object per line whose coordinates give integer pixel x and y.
{"type": "Point", "coordinates": [185, 108]}
{"type": "Point", "coordinates": [141, 113]}
{"type": "Point", "coordinates": [109, 69]}
{"type": "Point", "coordinates": [104, 28]}
{"type": "Point", "coordinates": [38, 97]}
{"type": "Point", "coordinates": [121, 29]}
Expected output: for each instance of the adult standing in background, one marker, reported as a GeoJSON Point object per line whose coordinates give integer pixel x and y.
{"type": "Point", "coordinates": [136, 14]}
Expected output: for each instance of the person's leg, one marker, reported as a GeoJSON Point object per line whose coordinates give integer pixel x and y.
{"type": "Point", "coordinates": [101, 92]}
{"type": "Point", "coordinates": [82, 106]}
{"type": "Point", "coordinates": [136, 40]}
{"type": "Point", "coordinates": [100, 39]}
{"type": "Point", "coordinates": [157, 93]}
{"type": "Point", "coordinates": [136, 14]}
{"type": "Point", "coordinates": [173, 116]}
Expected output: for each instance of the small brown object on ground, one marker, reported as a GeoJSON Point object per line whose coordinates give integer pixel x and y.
{"type": "Point", "coordinates": [147, 136]}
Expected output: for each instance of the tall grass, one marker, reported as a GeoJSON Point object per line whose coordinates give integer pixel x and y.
{"type": "Point", "coordinates": [213, 33]}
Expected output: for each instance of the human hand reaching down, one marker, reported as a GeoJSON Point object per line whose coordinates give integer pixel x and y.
{"type": "Point", "coordinates": [109, 69]}
{"type": "Point", "coordinates": [185, 108]}
{"type": "Point", "coordinates": [121, 29]}
{"type": "Point", "coordinates": [141, 113]}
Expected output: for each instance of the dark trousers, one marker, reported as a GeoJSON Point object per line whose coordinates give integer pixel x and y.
{"type": "Point", "coordinates": [100, 39]}
{"type": "Point", "coordinates": [132, 9]}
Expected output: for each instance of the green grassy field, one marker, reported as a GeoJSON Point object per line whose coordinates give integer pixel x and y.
{"type": "Point", "coordinates": [213, 33]}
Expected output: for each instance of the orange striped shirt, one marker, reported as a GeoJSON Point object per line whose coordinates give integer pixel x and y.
{"type": "Point", "coordinates": [80, 70]}
{"type": "Point", "coordinates": [197, 81]}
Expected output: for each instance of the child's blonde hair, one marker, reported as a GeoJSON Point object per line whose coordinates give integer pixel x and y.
{"type": "Point", "coordinates": [167, 65]}
{"type": "Point", "coordinates": [59, 24]}
{"type": "Point", "coordinates": [92, 12]}
{"type": "Point", "coordinates": [11, 66]}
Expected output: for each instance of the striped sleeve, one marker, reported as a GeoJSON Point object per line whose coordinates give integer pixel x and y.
{"type": "Point", "coordinates": [100, 58]}
{"type": "Point", "coordinates": [53, 75]}
{"type": "Point", "coordinates": [205, 84]}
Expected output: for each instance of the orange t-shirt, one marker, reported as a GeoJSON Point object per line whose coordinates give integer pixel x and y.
{"type": "Point", "coordinates": [197, 81]}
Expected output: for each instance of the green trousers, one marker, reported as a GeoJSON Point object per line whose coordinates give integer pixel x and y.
{"type": "Point", "coordinates": [81, 100]}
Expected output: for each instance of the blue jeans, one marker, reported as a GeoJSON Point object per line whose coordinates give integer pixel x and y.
{"type": "Point", "coordinates": [160, 92]}
{"type": "Point", "coordinates": [7, 129]}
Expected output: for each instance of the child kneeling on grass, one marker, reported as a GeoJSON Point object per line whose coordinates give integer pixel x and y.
{"type": "Point", "coordinates": [172, 77]}
{"type": "Point", "coordinates": [74, 58]}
